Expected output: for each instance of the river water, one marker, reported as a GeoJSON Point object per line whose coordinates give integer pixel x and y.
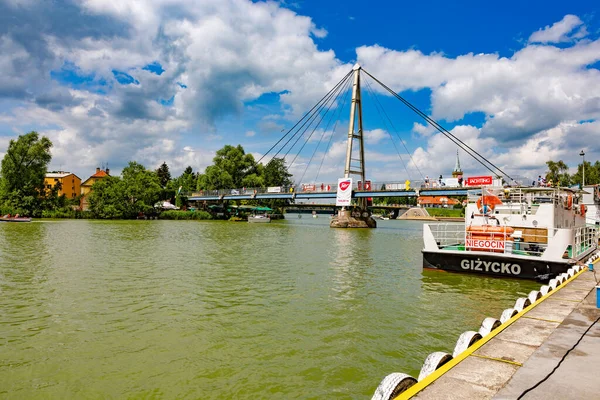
{"type": "Point", "coordinates": [219, 310]}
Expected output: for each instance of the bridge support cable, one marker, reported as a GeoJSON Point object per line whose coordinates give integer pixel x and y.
{"type": "Point", "coordinates": [331, 117]}
{"type": "Point", "coordinates": [332, 131]}
{"type": "Point", "coordinates": [301, 130]}
{"type": "Point", "coordinates": [303, 117]}
{"type": "Point", "coordinates": [380, 108]}
{"type": "Point", "coordinates": [327, 107]}
{"type": "Point", "coordinates": [309, 121]}
{"type": "Point", "coordinates": [473, 153]}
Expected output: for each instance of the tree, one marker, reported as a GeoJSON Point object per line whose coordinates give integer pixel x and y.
{"type": "Point", "coordinates": [592, 174]}
{"type": "Point", "coordinates": [557, 173]}
{"type": "Point", "coordinates": [231, 166]}
{"type": "Point", "coordinates": [164, 176]}
{"type": "Point", "coordinates": [187, 182]}
{"type": "Point", "coordinates": [23, 170]}
{"type": "Point", "coordinates": [107, 199]}
{"type": "Point", "coordinates": [135, 193]}
{"type": "Point", "coordinates": [142, 188]}
{"type": "Point", "coordinates": [276, 173]}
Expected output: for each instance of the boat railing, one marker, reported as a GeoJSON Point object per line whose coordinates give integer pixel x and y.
{"type": "Point", "coordinates": [542, 195]}
{"type": "Point", "coordinates": [448, 234]}
{"type": "Point", "coordinates": [526, 241]}
{"type": "Point", "coordinates": [586, 238]}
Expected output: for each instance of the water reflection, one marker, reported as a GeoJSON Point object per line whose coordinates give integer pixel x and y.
{"type": "Point", "coordinates": [351, 261]}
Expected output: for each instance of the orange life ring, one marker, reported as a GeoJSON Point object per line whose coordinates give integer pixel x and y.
{"type": "Point", "coordinates": [569, 204]}
{"type": "Point", "coordinates": [582, 209]}
{"type": "Point", "coordinates": [480, 206]}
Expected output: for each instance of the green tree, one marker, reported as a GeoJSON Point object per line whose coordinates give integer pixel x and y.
{"type": "Point", "coordinates": [276, 173]}
{"type": "Point", "coordinates": [558, 173]}
{"type": "Point", "coordinates": [592, 174]}
{"type": "Point", "coordinates": [141, 187]}
{"type": "Point", "coordinates": [107, 199]}
{"type": "Point", "coordinates": [137, 192]}
{"type": "Point", "coordinates": [22, 173]}
{"type": "Point", "coordinates": [164, 176]}
{"type": "Point", "coordinates": [187, 182]}
{"type": "Point", "coordinates": [231, 166]}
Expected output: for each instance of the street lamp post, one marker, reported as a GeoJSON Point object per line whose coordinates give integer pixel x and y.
{"type": "Point", "coordinates": [582, 154]}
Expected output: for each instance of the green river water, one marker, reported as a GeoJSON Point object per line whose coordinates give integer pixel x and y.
{"type": "Point", "coordinates": [221, 310]}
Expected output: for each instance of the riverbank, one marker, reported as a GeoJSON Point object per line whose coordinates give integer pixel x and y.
{"type": "Point", "coordinates": [522, 352]}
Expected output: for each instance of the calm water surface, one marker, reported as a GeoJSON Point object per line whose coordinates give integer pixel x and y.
{"type": "Point", "coordinates": [217, 310]}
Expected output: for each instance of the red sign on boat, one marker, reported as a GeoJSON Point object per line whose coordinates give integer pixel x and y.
{"type": "Point", "coordinates": [479, 180]}
{"type": "Point", "coordinates": [485, 244]}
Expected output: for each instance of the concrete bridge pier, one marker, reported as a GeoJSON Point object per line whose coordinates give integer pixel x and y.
{"type": "Point", "coordinates": [353, 219]}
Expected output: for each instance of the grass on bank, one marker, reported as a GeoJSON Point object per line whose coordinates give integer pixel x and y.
{"type": "Point", "coordinates": [185, 215]}
{"type": "Point", "coordinates": [446, 212]}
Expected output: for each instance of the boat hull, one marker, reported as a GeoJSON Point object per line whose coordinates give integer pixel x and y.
{"type": "Point", "coordinates": [494, 264]}
{"type": "Point", "coordinates": [261, 220]}
{"type": "Point", "coordinates": [15, 219]}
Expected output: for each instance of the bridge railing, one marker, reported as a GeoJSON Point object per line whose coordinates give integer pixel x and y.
{"type": "Point", "coordinates": [390, 186]}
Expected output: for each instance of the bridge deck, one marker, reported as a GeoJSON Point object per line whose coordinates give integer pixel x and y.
{"type": "Point", "coordinates": [332, 195]}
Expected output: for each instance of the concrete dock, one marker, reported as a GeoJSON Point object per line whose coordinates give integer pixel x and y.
{"type": "Point", "coordinates": [524, 352]}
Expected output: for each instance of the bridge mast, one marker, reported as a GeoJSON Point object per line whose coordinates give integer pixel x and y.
{"type": "Point", "coordinates": [356, 108]}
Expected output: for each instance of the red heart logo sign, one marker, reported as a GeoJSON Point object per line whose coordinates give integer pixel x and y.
{"type": "Point", "coordinates": [344, 185]}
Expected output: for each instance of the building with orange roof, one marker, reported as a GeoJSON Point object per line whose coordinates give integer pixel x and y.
{"type": "Point", "coordinates": [86, 186]}
{"type": "Point", "coordinates": [436, 201]}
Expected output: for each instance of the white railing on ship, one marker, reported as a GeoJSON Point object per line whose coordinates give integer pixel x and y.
{"type": "Point", "coordinates": [586, 237]}
{"type": "Point", "coordinates": [448, 234]}
{"type": "Point", "coordinates": [453, 236]}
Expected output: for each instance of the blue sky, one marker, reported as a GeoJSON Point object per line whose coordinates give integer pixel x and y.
{"type": "Point", "coordinates": [174, 81]}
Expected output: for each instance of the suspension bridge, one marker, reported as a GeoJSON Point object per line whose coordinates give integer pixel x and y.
{"type": "Point", "coordinates": [323, 118]}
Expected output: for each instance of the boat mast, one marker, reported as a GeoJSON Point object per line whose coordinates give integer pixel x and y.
{"type": "Point", "coordinates": [356, 110]}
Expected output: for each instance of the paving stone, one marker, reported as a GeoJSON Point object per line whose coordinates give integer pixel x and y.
{"type": "Point", "coordinates": [555, 310]}
{"type": "Point", "coordinates": [530, 332]}
{"type": "Point", "coordinates": [447, 388]}
{"type": "Point", "coordinates": [479, 371]}
{"type": "Point", "coordinates": [569, 294]}
{"type": "Point", "coordinates": [505, 350]}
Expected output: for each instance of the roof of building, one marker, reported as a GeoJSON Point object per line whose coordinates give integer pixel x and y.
{"type": "Point", "coordinates": [99, 174]}
{"type": "Point", "coordinates": [59, 174]}
{"type": "Point", "coordinates": [437, 200]}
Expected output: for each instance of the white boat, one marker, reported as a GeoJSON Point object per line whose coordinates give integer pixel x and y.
{"type": "Point", "coordinates": [534, 233]}
{"type": "Point", "coordinates": [259, 218]}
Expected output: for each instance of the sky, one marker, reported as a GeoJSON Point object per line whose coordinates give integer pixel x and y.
{"type": "Point", "coordinates": [173, 81]}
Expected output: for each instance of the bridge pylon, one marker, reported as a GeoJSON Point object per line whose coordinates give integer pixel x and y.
{"type": "Point", "coordinates": [360, 217]}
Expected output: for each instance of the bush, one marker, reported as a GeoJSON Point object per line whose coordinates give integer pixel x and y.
{"type": "Point", "coordinates": [185, 215]}
{"type": "Point", "coordinates": [67, 212]}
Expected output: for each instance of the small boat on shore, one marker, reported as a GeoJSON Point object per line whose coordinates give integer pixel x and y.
{"type": "Point", "coordinates": [15, 219]}
{"type": "Point", "coordinates": [533, 233]}
{"type": "Point", "coordinates": [259, 218]}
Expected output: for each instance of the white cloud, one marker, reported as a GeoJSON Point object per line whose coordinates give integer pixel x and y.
{"type": "Point", "coordinates": [424, 130]}
{"type": "Point", "coordinates": [224, 51]}
{"type": "Point", "coordinates": [559, 31]}
{"type": "Point", "coordinates": [218, 55]}
{"type": "Point", "coordinates": [375, 136]}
